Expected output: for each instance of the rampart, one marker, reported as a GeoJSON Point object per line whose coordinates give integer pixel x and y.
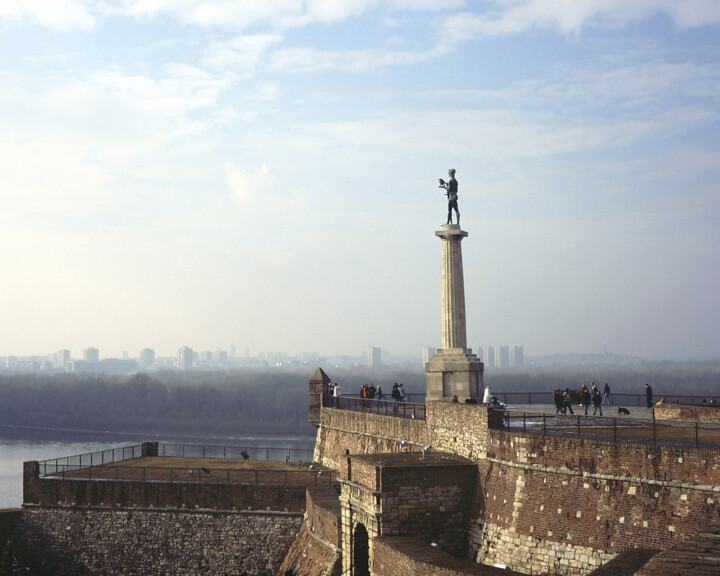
{"type": "Point", "coordinates": [143, 541]}
{"type": "Point", "coordinates": [273, 493]}
{"type": "Point", "coordinates": [96, 520]}
{"type": "Point", "coordinates": [690, 413]}
{"type": "Point", "coordinates": [548, 504]}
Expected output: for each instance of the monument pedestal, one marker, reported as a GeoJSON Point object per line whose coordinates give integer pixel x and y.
{"type": "Point", "coordinates": [454, 372]}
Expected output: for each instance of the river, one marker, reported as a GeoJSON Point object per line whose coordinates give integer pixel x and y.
{"type": "Point", "coordinates": [20, 444]}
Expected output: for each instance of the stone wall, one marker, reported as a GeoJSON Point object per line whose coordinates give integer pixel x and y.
{"type": "Point", "coordinates": [344, 431]}
{"type": "Point", "coordinates": [71, 541]}
{"type": "Point", "coordinates": [545, 504]}
{"type": "Point", "coordinates": [411, 557]}
{"type": "Point", "coordinates": [567, 505]}
{"type": "Point", "coordinates": [127, 493]}
{"type": "Point", "coordinates": [688, 413]}
{"type": "Point", "coordinates": [316, 550]}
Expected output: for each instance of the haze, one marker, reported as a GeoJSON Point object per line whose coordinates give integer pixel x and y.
{"type": "Point", "coordinates": [265, 174]}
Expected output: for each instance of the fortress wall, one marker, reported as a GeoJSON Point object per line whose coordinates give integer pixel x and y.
{"type": "Point", "coordinates": [123, 493]}
{"type": "Point", "coordinates": [309, 555]}
{"type": "Point", "coordinates": [567, 505]}
{"type": "Point", "coordinates": [316, 549]}
{"type": "Point", "coordinates": [679, 464]}
{"type": "Point", "coordinates": [687, 413]}
{"type": "Point", "coordinates": [393, 556]}
{"type": "Point", "coordinates": [323, 514]}
{"type": "Point", "coordinates": [460, 428]}
{"type": "Point", "coordinates": [73, 541]}
{"type": "Point", "coordinates": [549, 504]}
{"type": "Point", "coordinates": [362, 433]}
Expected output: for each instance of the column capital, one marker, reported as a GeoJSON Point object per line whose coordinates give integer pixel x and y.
{"type": "Point", "coordinates": [451, 231]}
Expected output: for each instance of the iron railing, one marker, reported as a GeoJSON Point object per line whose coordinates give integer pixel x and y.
{"type": "Point", "coordinates": [410, 410]}
{"type": "Point", "coordinates": [666, 432]}
{"type": "Point", "coordinates": [67, 464]}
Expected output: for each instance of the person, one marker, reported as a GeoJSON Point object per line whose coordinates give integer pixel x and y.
{"type": "Point", "coordinates": [455, 398]}
{"type": "Point", "coordinates": [585, 398]}
{"type": "Point", "coordinates": [559, 402]}
{"type": "Point", "coordinates": [372, 391]}
{"type": "Point", "coordinates": [328, 400]}
{"type": "Point", "coordinates": [567, 401]}
{"type": "Point", "coordinates": [396, 397]}
{"type": "Point", "coordinates": [451, 191]}
{"type": "Point", "coordinates": [401, 388]}
{"type": "Point", "coordinates": [597, 401]}
{"type": "Point", "coordinates": [606, 395]}
{"type": "Point", "coordinates": [336, 395]}
{"type": "Point", "coordinates": [648, 395]}
{"type": "Point", "coordinates": [379, 392]}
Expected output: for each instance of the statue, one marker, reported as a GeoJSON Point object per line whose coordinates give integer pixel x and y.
{"type": "Point", "coordinates": [451, 191]}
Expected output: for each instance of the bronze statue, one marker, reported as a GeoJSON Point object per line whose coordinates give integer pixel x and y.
{"type": "Point", "coordinates": [451, 191]}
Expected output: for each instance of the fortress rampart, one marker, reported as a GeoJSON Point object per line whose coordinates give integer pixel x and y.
{"type": "Point", "coordinates": [544, 504]}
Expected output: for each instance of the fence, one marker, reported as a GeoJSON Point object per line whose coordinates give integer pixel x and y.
{"type": "Point", "coordinates": [71, 464]}
{"type": "Point", "coordinates": [410, 410]}
{"type": "Point", "coordinates": [201, 475]}
{"type": "Point", "coordinates": [59, 465]}
{"type": "Point", "coordinates": [615, 429]}
{"type": "Point", "coordinates": [619, 399]}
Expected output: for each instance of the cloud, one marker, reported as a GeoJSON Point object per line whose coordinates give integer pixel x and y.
{"type": "Point", "coordinates": [249, 192]}
{"type": "Point", "coordinates": [240, 51]}
{"type": "Point", "coordinates": [510, 17]}
{"type": "Point", "coordinates": [278, 14]}
{"type": "Point", "coordinates": [63, 15]}
{"type": "Point", "coordinates": [303, 59]}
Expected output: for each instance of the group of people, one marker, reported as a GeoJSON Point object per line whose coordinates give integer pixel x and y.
{"type": "Point", "coordinates": [585, 397]}
{"type": "Point", "coordinates": [368, 392]}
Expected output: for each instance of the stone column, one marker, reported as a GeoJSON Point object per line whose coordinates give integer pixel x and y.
{"type": "Point", "coordinates": [454, 334]}
{"type": "Point", "coordinates": [454, 370]}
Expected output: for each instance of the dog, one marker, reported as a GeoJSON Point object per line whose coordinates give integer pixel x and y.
{"type": "Point", "coordinates": [623, 411]}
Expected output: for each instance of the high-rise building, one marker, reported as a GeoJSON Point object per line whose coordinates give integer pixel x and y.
{"type": "Point", "coordinates": [147, 357]}
{"type": "Point", "coordinates": [517, 356]}
{"type": "Point", "coordinates": [185, 358]}
{"type": "Point", "coordinates": [428, 352]}
{"type": "Point", "coordinates": [91, 355]}
{"type": "Point", "coordinates": [374, 357]}
{"type": "Point", "coordinates": [480, 353]}
{"type": "Point", "coordinates": [503, 357]}
{"type": "Point", "coordinates": [490, 357]}
{"type": "Point", "coordinates": [63, 357]}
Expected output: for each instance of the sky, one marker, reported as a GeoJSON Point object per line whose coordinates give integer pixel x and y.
{"type": "Point", "coordinates": [265, 174]}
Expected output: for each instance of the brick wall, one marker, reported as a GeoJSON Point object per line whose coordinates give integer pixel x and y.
{"type": "Point", "coordinates": [688, 413]}
{"type": "Point", "coordinates": [123, 493]}
{"type": "Point", "coordinates": [569, 505]}
{"type": "Point", "coordinates": [70, 541]}
{"type": "Point", "coordinates": [359, 433]}
{"type": "Point", "coordinates": [410, 557]}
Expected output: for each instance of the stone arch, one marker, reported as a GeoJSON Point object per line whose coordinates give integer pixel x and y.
{"type": "Point", "coordinates": [361, 551]}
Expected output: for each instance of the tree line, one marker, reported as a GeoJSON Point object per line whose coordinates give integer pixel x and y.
{"type": "Point", "coordinates": [275, 402]}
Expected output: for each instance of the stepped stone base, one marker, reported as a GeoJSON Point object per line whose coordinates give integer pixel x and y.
{"type": "Point", "coordinates": [454, 372]}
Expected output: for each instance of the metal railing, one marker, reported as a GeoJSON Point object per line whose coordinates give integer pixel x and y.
{"type": "Point", "coordinates": [616, 399]}
{"type": "Point", "coordinates": [67, 464]}
{"type": "Point", "coordinates": [200, 475]}
{"type": "Point", "coordinates": [665, 432]}
{"type": "Point", "coordinates": [410, 410]}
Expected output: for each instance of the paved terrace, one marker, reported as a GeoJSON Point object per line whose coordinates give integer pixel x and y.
{"type": "Point", "coordinates": [191, 464]}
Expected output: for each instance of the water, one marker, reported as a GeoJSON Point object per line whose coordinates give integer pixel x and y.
{"type": "Point", "coordinates": [20, 444]}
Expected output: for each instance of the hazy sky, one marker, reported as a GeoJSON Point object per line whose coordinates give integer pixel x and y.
{"type": "Point", "coordinates": [265, 174]}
